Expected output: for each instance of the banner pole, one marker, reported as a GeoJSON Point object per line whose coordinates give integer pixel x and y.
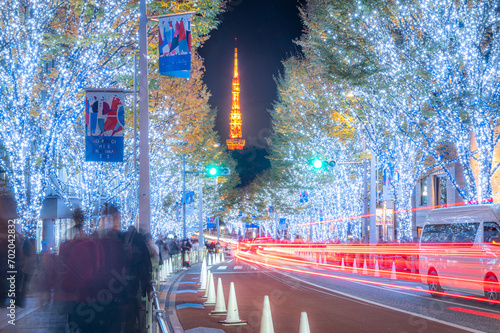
{"type": "Point", "coordinates": [144, 191]}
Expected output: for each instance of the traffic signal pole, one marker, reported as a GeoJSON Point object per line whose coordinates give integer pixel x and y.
{"type": "Point", "coordinates": [184, 234]}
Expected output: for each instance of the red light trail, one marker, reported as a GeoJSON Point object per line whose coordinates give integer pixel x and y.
{"type": "Point", "coordinates": [283, 256]}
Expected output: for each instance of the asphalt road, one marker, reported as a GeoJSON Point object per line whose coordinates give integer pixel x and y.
{"type": "Point", "coordinates": [332, 305]}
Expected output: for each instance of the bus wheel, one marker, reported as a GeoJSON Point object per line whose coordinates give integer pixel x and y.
{"type": "Point", "coordinates": [492, 290]}
{"type": "Point", "coordinates": [433, 283]}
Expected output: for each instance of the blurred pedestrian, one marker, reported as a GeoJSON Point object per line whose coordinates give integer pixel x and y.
{"type": "Point", "coordinates": [154, 253]}
{"type": "Point", "coordinates": [139, 271]}
{"type": "Point", "coordinates": [162, 248]}
{"type": "Point", "coordinates": [185, 248]}
{"type": "Point", "coordinates": [77, 230]}
{"type": "Point", "coordinates": [28, 268]}
{"type": "Point", "coordinates": [47, 275]}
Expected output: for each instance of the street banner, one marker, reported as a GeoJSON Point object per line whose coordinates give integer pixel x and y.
{"type": "Point", "coordinates": [303, 197]}
{"type": "Point", "coordinates": [210, 222]}
{"type": "Point", "coordinates": [104, 125]}
{"type": "Point", "coordinates": [189, 197]}
{"type": "Point", "coordinates": [174, 45]}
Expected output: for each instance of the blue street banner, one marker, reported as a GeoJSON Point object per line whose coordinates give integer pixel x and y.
{"type": "Point", "coordinates": [104, 125]}
{"type": "Point", "coordinates": [271, 209]}
{"type": "Point", "coordinates": [210, 222]}
{"type": "Point", "coordinates": [303, 197]}
{"type": "Point", "coordinates": [174, 45]}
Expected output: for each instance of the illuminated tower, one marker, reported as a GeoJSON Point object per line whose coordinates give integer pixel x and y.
{"type": "Point", "coordinates": [235, 140]}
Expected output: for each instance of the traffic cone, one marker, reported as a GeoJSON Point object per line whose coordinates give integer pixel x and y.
{"type": "Point", "coordinates": [203, 271]}
{"type": "Point", "coordinates": [222, 255]}
{"type": "Point", "coordinates": [377, 269]}
{"type": "Point", "coordinates": [393, 271]}
{"type": "Point", "coordinates": [220, 303]}
{"type": "Point", "coordinates": [211, 292]}
{"type": "Point", "coordinates": [354, 268]}
{"type": "Point", "coordinates": [343, 265]}
{"type": "Point", "coordinates": [365, 268]}
{"type": "Point", "coordinates": [170, 268]}
{"type": "Point", "coordinates": [304, 323]}
{"type": "Point", "coordinates": [266, 324]}
{"type": "Point", "coordinates": [233, 317]}
{"type": "Point", "coordinates": [204, 275]}
{"type": "Point", "coordinates": [207, 289]}
{"type": "Point", "coordinates": [210, 260]}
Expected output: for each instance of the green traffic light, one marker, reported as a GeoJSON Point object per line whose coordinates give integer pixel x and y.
{"type": "Point", "coordinates": [318, 164]}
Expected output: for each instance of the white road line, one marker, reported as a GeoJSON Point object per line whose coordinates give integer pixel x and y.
{"type": "Point", "coordinates": [383, 305]}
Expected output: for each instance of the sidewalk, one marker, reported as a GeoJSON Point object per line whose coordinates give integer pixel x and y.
{"type": "Point", "coordinates": [34, 318]}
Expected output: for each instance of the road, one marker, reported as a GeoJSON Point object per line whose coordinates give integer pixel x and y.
{"type": "Point", "coordinates": [333, 302]}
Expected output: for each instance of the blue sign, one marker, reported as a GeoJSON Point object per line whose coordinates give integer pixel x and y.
{"type": "Point", "coordinates": [282, 221]}
{"type": "Point", "coordinates": [210, 225]}
{"type": "Point", "coordinates": [303, 197]}
{"type": "Point", "coordinates": [103, 149]}
{"type": "Point", "coordinates": [189, 197]}
{"type": "Point", "coordinates": [251, 225]}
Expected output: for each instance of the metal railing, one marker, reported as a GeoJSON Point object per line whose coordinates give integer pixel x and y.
{"type": "Point", "coordinates": [156, 315]}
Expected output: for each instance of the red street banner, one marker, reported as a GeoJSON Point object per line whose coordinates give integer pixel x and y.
{"type": "Point", "coordinates": [174, 45]}
{"type": "Point", "coordinates": [104, 125]}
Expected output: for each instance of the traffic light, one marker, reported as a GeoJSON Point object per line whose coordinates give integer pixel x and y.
{"type": "Point", "coordinates": [211, 171]}
{"type": "Point", "coordinates": [215, 170]}
{"type": "Point", "coordinates": [320, 164]}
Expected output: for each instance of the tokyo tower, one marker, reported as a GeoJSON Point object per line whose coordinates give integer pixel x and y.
{"type": "Point", "coordinates": [235, 140]}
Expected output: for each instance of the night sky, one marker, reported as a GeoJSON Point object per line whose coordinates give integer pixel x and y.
{"type": "Point", "coordinates": [265, 30]}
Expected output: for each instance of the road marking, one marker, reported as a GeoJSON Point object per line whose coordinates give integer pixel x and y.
{"type": "Point", "coordinates": [189, 305]}
{"type": "Point", "coordinates": [186, 282]}
{"type": "Point", "coordinates": [383, 305]}
{"type": "Point", "coordinates": [221, 268]}
{"type": "Point", "coordinates": [186, 291]}
{"type": "Point", "coordinates": [238, 267]}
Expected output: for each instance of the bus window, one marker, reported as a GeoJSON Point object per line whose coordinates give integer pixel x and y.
{"type": "Point", "coordinates": [491, 229]}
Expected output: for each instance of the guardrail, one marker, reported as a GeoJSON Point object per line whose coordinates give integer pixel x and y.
{"type": "Point", "coordinates": [155, 318]}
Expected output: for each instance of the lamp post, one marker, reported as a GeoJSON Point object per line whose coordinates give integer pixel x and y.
{"type": "Point", "coordinates": [144, 190]}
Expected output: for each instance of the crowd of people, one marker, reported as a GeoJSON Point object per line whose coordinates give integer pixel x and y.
{"type": "Point", "coordinates": [100, 281]}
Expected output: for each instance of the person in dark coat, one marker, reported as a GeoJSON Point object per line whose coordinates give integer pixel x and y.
{"type": "Point", "coordinates": [139, 271]}
{"type": "Point", "coordinates": [185, 248]}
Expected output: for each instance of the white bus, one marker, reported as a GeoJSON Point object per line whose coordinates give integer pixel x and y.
{"type": "Point", "coordinates": [460, 250]}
